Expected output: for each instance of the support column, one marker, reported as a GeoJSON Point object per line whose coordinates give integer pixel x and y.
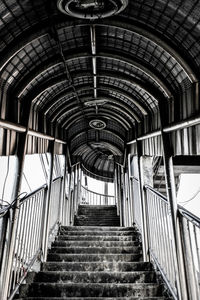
{"type": "Point", "coordinates": [64, 206]}
{"type": "Point", "coordinates": [106, 192]}
{"type": "Point", "coordinates": [142, 205]}
{"type": "Point", "coordinates": [116, 191]}
{"type": "Point", "coordinates": [173, 212]}
{"type": "Point", "coordinates": [130, 191]}
{"type": "Point", "coordinates": [120, 195]}
{"type": "Point", "coordinates": [173, 209]}
{"type": "Point", "coordinates": [21, 152]}
{"type": "Point", "coordinates": [48, 201]}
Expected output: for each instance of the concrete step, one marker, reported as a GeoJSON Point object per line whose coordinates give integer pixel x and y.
{"type": "Point", "coordinates": [96, 238]}
{"type": "Point", "coordinates": [96, 250]}
{"type": "Point", "coordinates": [98, 267]}
{"type": "Point", "coordinates": [93, 277]}
{"type": "Point", "coordinates": [91, 290]}
{"type": "Point", "coordinates": [103, 208]}
{"type": "Point", "coordinates": [95, 223]}
{"type": "Point", "coordinates": [93, 257]}
{"type": "Point", "coordinates": [90, 244]}
{"type": "Point", "coordinates": [96, 228]}
{"type": "Point", "coordinates": [100, 233]}
{"type": "Point", "coordinates": [95, 298]}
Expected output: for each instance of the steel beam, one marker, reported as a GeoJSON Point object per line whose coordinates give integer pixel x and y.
{"type": "Point", "coordinates": [22, 129]}
{"type": "Point", "coordinates": [173, 127]}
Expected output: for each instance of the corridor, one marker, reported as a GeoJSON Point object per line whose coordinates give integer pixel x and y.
{"type": "Point", "coordinates": [108, 91]}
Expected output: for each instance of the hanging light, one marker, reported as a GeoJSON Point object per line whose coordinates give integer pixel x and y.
{"type": "Point", "coordinates": [92, 9]}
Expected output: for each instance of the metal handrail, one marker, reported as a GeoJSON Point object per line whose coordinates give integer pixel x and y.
{"type": "Point", "coordinates": [161, 196]}
{"type": "Point", "coordinates": [161, 247]}
{"type": "Point", "coordinates": [31, 230]}
{"type": "Point", "coordinates": [160, 241]}
{"type": "Point", "coordinates": [100, 194]}
{"type": "Point", "coordinates": [190, 238]}
{"type": "Point", "coordinates": [89, 197]}
{"type": "Point", "coordinates": [189, 216]}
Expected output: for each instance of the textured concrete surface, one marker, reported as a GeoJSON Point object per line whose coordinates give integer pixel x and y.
{"type": "Point", "coordinates": [92, 262]}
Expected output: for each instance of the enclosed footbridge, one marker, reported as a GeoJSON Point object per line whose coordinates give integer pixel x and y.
{"type": "Point", "coordinates": [111, 90]}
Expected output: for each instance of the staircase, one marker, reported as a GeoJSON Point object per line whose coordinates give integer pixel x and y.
{"type": "Point", "coordinates": [94, 262]}
{"type": "Point", "coordinates": [97, 215]}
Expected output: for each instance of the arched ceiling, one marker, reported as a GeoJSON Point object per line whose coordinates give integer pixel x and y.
{"type": "Point", "coordinates": [119, 70]}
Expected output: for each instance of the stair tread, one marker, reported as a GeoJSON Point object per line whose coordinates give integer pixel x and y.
{"type": "Point", "coordinates": [89, 244]}
{"type": "Point", "coordinates": [98, 277]}
{"type": "Point", "coordinates": [93, 257]}
{"type": "Point", "coordinates": [95, 250]}
{"type": "Point", "coordinates": [92, 289]}
{"type": "Point", "coordinates": [95, 266]}
{"type": "Point", "coordinates": [99, 228]}
{"type": "Point", "coordinates": [95, 298]}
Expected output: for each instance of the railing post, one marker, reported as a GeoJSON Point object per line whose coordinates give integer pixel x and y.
{"type": "Point", "coordinates": [63, 211]}
{"type": "Point", "coordinates": [69, 198]}
{"type": "Point", "coordinates": [130, 191]}
{"type": "Point", "coordinates": [171, 194]}
{"type": "Point", "coordinates": [116, 191]}
{"type": "Point", "coordinates": [21, 152]}
{"type": "Point", "coordinates": [120, 194]}
{"type": "Point", "coordinates": [48, 201]}
{"type": "Point", "coordinates": [143, 205]}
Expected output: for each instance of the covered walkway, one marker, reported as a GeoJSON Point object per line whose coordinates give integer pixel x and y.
{"type": "Point", "coordinates": [109, 90]}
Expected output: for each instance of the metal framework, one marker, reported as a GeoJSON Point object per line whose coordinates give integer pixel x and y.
{"type": "Point", "coordinates": [140, 69]}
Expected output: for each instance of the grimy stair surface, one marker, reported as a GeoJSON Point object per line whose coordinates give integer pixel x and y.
{"type": "Point", "coordinates": [97, 215]}
{"type": "Point", "coordinates": [91, 262]}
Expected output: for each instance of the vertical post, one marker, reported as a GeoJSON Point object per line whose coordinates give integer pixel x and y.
{"type": "Point", "coordinates": [106, 192]}
{"type": "Point", "coordinates": [130, 191]}
{"type": "Point", "coordinates": [69, 199]}
{"type": "Point", "coordinates": [80, 185]}
{"type": "Point", "coordinates": [120, 195]}
{"type": "Point", "coordinates": [21, 152]}
{"type": "Point", "coordinates": [124, 202]}
{"type": "Point", "coordinates": [173, 212]}
{"type": "Point", "coordinates": [173, 209]}
{"type": "Point", "coordinates": [63, 210]}
{"type": "Point", "coordinates": [142, 205]}
{"type": "Point", "coordinates": [48, 201]}
{"type": "Point", "coordinates": [116, 191]}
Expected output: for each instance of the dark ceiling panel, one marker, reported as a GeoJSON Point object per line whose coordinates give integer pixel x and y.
{"type": "Point", "coordinates": [121, 70]}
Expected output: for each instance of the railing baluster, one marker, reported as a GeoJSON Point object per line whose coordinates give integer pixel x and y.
{"type": "Point", "coordinates": [29, 234]}
{"type": "Point", "coordinates": [93, 198]}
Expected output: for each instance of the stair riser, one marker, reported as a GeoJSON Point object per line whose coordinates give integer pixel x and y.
{"type": "Point", "coordinates": [96, 250]}
{"type": "Point", "coordinates": [95, 228]}
{"type": "Point", "coordinates": [97, 233]}
{"type": "Point", "coordinates": [97, 267]}
{"type": "Point", "coordinates": [88, 290]}
{"type": "Point", "coordinates": [93, 277]}
{"type": "Point", "coordinates": [96, 238]}
{"type": "Point", "coordinates": [95, 223]}
{"type": "Point", "coordinates": [98, 298]}
{"type": "Point", "coordinates": [89, 244]}
{"type": "Point", "coordinates": [94, 257]}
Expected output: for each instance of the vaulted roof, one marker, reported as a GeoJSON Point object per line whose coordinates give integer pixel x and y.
{"type": "Point", "coordinates": [120, 70]}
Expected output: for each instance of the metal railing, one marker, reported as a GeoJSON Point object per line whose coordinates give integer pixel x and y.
{"type": "Point", "coordinates": [91, 198]}
{"type": "Point", "coordinates": [28, 240]}
{"type": "Point", "coordinates": [161, 246]}
{"type": "Point", "coordinates": [31, 232]}
{"type": "Point", "coordinates": [160, 243]}
{"type": "Point", "coordinates": [190, 237]}
{"type": "Point", "coordinates": [55, 203]}
{"type": "Point", "coordinates": [137, 203]}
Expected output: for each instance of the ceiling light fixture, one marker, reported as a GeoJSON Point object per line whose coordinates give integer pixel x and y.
{"type": "Point", "coordinates": [92, 9]}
